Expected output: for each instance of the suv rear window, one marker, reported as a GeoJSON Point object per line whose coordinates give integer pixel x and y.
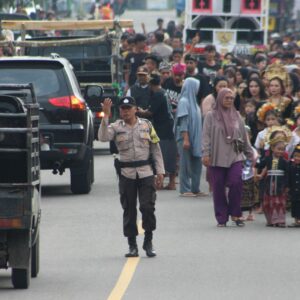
{"type": "Point", "coordinates": [47, 80]}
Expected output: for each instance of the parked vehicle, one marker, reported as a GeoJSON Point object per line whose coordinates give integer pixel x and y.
{"type": "Point", "coordinates": [94, 63]}
{"type": "Point", "coordinates": [66, 121]}
{"type": "Point", "coordinates": [20, 211]}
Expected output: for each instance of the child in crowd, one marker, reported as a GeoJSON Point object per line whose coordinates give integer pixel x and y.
{"type": "Point", "coordinates": [249, 193]}
{"type": "Point", "coordinates": [275, 176]}
{"type": "Point", "coordinates": [294, 186]}
{"type": "Point", "coordinates": [268, 116]}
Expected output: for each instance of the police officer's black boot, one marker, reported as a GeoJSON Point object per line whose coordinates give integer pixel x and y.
{"type": "Point", "coordinates": [133, 249]}
{"type": "Point", "coordinates": [147, 246]}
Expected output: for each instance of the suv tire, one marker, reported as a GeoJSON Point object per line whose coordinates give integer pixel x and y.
{"type": "Point", "coordinates": [81, 176]}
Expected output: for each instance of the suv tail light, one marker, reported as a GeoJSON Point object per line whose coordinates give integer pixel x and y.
{"type": "Point", "coordinates": [61, 101]}
{"type": "Point", "coordinates": [77, 103]}
{"type": "Point", "coordinates": [68, 102]}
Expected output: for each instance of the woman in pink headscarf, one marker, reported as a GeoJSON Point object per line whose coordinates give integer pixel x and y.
{"type": "Point", "coordinates": [225, 145]}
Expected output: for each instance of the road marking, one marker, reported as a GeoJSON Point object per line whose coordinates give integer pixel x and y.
{"type": "Point", "coordinates": [124, 279]}
{"type": "Point", "coordinates": [126, 274]}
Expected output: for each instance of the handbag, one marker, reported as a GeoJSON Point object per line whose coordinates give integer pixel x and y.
{"type": "Point", "coordinates": [238, 145]}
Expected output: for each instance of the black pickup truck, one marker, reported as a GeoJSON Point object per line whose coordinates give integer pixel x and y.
{"type": "Point", "coordinates": [93, 63]}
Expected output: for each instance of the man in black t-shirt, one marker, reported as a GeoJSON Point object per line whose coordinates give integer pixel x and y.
{"type": "Point", "coordinates": [210, 67]}
{"type": "Point", "coordinates": [192, 71]}
{"type": "Point", "coordinates": [173, 85]}
{"type": "Point", "coordinates": [135, 59]}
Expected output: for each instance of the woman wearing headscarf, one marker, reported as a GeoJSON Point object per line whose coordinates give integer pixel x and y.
{"type": "Point", "coordinates": [188, 131]}
{"type": "Point", "coordinates": [225, 145]}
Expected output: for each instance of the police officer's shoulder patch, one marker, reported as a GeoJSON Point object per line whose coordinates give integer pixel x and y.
{"type": "Point", "coordinates": [153, 135]}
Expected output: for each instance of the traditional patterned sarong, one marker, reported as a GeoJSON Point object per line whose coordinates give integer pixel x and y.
{"type": "Point", "coordinates": [274, 209]}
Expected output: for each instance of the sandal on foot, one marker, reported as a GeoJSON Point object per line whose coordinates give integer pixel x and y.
{"type": "Point", "coordinates": [238, 223]}
{"type": "Point", "coordinates": [221, 225]}
{"type": "Point", "coordinates": [250, 218]}
{"type": "Point", "coordinates": [188, 194]}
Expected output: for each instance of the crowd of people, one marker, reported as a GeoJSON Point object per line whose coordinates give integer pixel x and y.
{"type": "Point", "coordinates": [237, 115]}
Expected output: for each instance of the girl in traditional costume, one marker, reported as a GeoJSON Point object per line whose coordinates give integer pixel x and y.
{"type": "Point", "coordinates": [275, 176]}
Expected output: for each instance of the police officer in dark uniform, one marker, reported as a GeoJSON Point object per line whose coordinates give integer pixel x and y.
{"type": "Point", "coordinates": [140, 156]}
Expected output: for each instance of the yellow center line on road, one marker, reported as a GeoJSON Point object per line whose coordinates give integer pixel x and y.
{"type": "Point", "coordinates": [126, 274]}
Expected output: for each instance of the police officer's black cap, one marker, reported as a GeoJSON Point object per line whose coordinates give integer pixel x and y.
{"type": "Point", "coordinates": [127, 101]}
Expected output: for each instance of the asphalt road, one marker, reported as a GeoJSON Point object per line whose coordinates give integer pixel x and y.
{"type": "Point", "coordinates": [82, 250]}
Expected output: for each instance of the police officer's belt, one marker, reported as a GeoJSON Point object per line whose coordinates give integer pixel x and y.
{"type": "Point", "coordinates": [134, 164]}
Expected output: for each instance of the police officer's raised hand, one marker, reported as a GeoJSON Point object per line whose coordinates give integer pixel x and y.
{"type": "Point", "coordinates": [106, 106]}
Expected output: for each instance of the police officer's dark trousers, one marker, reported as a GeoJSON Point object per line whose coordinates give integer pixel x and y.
{"type": "Point", "coordinates": [144, 188]}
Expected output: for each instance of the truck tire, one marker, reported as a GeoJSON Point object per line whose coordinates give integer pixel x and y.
{"type": "Point", "coordinates": [81, 176]}
{"type": "Point", "coordinates": [21, 277]}
{"type": "Point", "coordinates": [35, 258]}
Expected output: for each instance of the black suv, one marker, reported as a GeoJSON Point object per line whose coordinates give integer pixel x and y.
{"type": "Point", "coordinates": [66, 122]}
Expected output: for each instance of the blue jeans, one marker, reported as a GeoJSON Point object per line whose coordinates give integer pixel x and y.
{"type": "Point", "coordinates": [190, 168]}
